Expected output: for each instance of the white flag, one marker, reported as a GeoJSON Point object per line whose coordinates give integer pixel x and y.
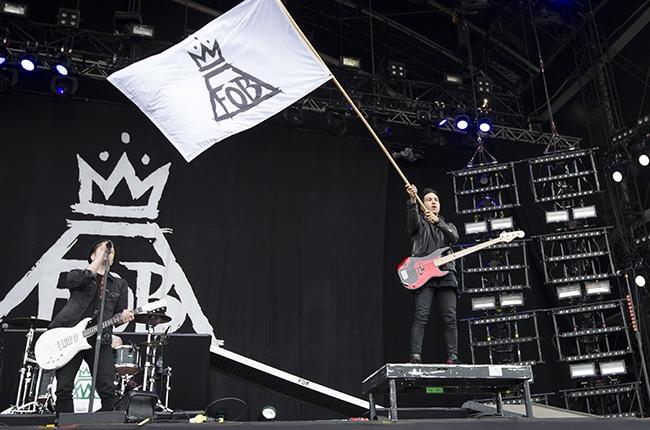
{"type": "Point", "coordinates": [237, 71]}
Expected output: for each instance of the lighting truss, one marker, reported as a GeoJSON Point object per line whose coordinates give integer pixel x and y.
{"type": "Point", "coordinates": [501, 269]}
{"type": "Point", "coordinates": [511, 339]}
{"type": "Point", "coordinates": [576, 257]}
{"type": "Point", "coordinates": [485, 191]}
{"type": "Point", "coordinates": [609, 401]}
{"type": "Point", "coordinates": [591, 332]}
{"type": "Point", "coordinates": [563, 180]}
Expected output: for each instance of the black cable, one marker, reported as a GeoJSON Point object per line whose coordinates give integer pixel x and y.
{"type": "Point", "coordinates": [228, 398]}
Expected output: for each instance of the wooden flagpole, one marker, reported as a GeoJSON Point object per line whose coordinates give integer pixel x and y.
{"type": "Point", "coordinates": [354, 107]}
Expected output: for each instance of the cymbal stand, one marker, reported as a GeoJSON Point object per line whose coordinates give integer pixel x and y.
{"type": "Point", "coordinates": [29, 373]}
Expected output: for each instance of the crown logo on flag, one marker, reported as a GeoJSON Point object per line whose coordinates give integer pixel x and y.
{"type": "Point", "coordinates": [207, 57]}
{"type": "Point", "coordinates": [123, 170]}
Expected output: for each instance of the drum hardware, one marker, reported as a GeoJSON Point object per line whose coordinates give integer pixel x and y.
{"type": "Point", "coordinates": [28, 399]}
{"type": "Point", "coordinates": [153, 359]}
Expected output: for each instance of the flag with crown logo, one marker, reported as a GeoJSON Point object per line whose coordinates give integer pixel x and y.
{"type": "Point", "coordinates": [240, 69]}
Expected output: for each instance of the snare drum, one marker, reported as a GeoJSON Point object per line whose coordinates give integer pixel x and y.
{"type": "Point", "coordinates": [127, 359]}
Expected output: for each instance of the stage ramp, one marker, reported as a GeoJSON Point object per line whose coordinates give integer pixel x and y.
{"type": "Point", "coordinates": [270, 378]}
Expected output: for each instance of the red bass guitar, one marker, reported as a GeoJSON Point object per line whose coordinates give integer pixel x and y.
{"type": "Point", "coordinates": [414, 272]}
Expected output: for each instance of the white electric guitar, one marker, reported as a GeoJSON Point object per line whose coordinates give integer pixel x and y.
{"type": "Point", "coordinates": [57, 346]}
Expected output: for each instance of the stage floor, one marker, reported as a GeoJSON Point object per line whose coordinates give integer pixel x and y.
{"type": "Point", "coordinates": [430, 424]}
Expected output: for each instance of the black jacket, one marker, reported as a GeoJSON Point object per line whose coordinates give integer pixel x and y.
{"type": "Point", "coordinates": [427, 237]}
{"type": "Point", "coordinates": [83, 288]}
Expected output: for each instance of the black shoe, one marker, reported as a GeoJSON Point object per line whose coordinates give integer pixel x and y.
{"type": "Point", "coordinates": [415, 359]}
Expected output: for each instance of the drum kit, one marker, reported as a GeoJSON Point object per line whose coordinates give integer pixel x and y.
{"type": "Point", "coordinates": [137, 367]}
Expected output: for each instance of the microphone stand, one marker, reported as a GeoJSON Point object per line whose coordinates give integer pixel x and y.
{"type": "Point", "coordinates": [100, 324]}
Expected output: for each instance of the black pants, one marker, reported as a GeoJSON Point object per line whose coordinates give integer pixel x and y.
{"type": "Point", "coordinates": [446, 298]}
{"type": "Point", "coordinates": [105, 379]}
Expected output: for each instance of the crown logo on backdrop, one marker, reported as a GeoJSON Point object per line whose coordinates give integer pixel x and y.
{"type": "Point", "coordinates": [138, 187]}
{"type": "Point", "coordinates": [208, 57]}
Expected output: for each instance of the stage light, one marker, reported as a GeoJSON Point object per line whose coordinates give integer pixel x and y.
{"type": "Point", "coordinates": [63, 86]}
{"type": "Point", "coordinates": [351, 62]}
{"type": "Point", "coordinates": [617, 176]}
{"type": "Point", "coordinates": [506, 300]}
{"type": "Point", "coordinates": [582, 370]}
{"type": "Point", "coordinates": [336, 122]}
{"type": "Point", "coordinates": [3, 56]}
{"type": "Point", "coordinates": [28, 63]}
{"type": "Point", "coordinates": [501, 223]}
{"type": "Point", "coordinates": [268, 413]}
{"type": "Point", "coordinates": [568, 292]}
{"type": "Point", "coordinates": [644, 160]}
{"type": "Point", "coordinates": [484, 125]}
{"type": "Point", "coordinates": [442, 121]}
{"type": "Point", "coordinates": [293, 117]}
{"type": "Point", "coordinates": [141, 30]}
{"type": "Point", "coordinates": [608, 368]}
{"type": "Point", "coordinates": [16, 9]}
{"type": "Point", "coordinates": [557, 216]}
{"type": "Point", "coordinates": [61, 69]}
{"type": "Point", "coordinates": [584, 212]}
{"type": "Point", "coordinates": [461, 122]}
{"type": "Point", "coordinates": [639, 280]}
{"type": "Point", "coordinates": [476, 227]}
{"type": "Point", "coordinates": [397, 70]}
{"type": "Point", "coordinates": [453, 79]}
{"type": "Point", "coordinates": [483, 303]}
{"type": "Point", "coordinates": [68, 17]}
{"type": "Point", "coordinates": [598, 287]}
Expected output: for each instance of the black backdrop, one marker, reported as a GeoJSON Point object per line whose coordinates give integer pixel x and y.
{"type": "Point", "coordinates": [279, 232]}
{"type": "Point", "coordinates": [289, 238]}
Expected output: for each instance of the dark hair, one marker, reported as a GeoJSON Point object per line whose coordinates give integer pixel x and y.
{"type": "Point", "coordinates": [97, 245]}
{"type": "Point", "coordinates": [426, 191]}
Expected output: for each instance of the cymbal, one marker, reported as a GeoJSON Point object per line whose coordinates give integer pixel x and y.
{"type": "Point", "coordinates": [152, 318]}
{"type": "Point", "coordinates": [28, 322]}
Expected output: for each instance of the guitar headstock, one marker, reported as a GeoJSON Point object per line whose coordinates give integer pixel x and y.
{"type": "Point", "coordinates": [154, 306]}
{"type": "Point", "coordinates": [509, 236]}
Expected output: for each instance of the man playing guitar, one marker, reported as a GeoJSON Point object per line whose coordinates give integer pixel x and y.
{"type": "Point", "coordinates": [86, 287]}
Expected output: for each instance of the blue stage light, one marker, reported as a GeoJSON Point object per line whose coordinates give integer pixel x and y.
{"type": "Point", "coordinates": [484, 125]}
{"type": "Point", "coordinates": [28, 63]}
{"type": "Point", "coordinates": [61, 69]}
{"type": "Point", "coordinates": [462, 122]}
{"type": "Point", "coordinates": [3, 59]}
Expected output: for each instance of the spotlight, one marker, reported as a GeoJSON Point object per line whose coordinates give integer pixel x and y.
{"type": "Point", "coordinates": [453, 79]}
{"type": "Point", "coordinates": [484, 125]}
{"type": "Point", "coordinates": [68, 17]}
{"type": "Point", "coordinates": [617, 176]}
{"type": "Point", "coordinates": [475, 227]}
{"type": "Point", "coordinates": [501, 223]}
{"type": "Point", "coordinates": [608, 368]}
{"type": "Point", "coordinates": [582, 370]}
{"type": "Point", "coordinates": [396, 70]}
{"type": "Point", "coordinates": [639, 280]}
{"type": "Point", "coordinates": [483, 303]}
{"type": "Point", "coordinates": [268, 413]}
{"type": "Point", "coordinates": [351, 62]}
{"type": "Point", "coordinates": [423, 116]}
{"type": "Point", "coordinates": [141, 30]}
{"type": "Point", "coordinates": [62, 68]}
{"type": "Point", "coordinates": [461, 122]}
{"type": "Point", "coordinates": [63, 86]}
{"type": "Point", "coordinates": [506, 300]}
{"type": "Point", "coordinates": [442, 121]}
{"type": "Point", "coordinates": [584, 212]}
{"type": "Point", "coordinates": [568, 292]}
{"type": "Point", "coordinates": [644, 160]}
{"type": "Point", "coordinates": [28, 63]}
{"type": "Point", "coordinates": [557, 216]}
{"type": "Point", "coordinates": [336, 122]}
{"type": "Point", "coordinates": [293, 117]}
{"type": "Point", "coordinates": [8, 78]}
{"type": "Point", "coordinates": [4, 55]}
{"type": "Point", "coordinates": [598, 287]}
{"type": "Point", "coordinates": [16, 9]}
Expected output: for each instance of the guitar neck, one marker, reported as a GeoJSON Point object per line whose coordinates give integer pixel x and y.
{"type": "Point", "coordinates": [463, 252]}
{"type": "Point", "coordinates": [117, 319]}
